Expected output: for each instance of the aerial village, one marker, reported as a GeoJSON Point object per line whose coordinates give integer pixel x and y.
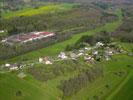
{"type": "Point", "coordinates": [88, 54]}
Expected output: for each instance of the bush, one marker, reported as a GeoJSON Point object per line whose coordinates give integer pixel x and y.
{"type": "Point", "coordinates": [19, 93]}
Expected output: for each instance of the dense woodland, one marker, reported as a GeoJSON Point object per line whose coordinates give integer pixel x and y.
{"type": "Point", "coordinates": [123, 34]}
{"type": "Point", "coordinates": [60, 21]}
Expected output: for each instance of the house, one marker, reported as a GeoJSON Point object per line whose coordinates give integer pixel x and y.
{"type": "Point", "coordinates": [41, 60]}
{"type": "Point", "coordinates": [45, 60]}
{"type": "Point", "coordinates": [86, 54]}
{"type": "Point", "coordinates": [95, 52]}
{"type": "Point", "coordinates": [80, 54]}
{"type": "Point", "coordinates": [14, 67]}
{"type": "Point", "coordinates": [87, 49]}
{"type": "Point", "coordinates": [48, 62]}
{"type": "Point", "coordinates": [99, 44]}
{"type": "Point", "coordinates": [62, 55]}
{"type": "Point", "coordinates": [7, 65]}
{"type": "Point", "coordinates": [87, 58]}
{"type": "Point", "coordinates": [21, 66]}
{"type": "Point", "coordinates": [109, 52]}
{"type": "Point", "coordinates": [4, 40]}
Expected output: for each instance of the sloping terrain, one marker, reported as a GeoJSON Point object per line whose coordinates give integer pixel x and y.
{"type": "Point", "coordinates": [125, 92]}
{"type": "Point", "coordinates": [68, 20]}
{"type": "Point", "coordinates": [14, 88]}
{"type": "Point", "coordinates": [56, 48]}
{"type": "Point", "coordinates": [99, 71]}
{"type": "Point", "coordinates": [51, 8]}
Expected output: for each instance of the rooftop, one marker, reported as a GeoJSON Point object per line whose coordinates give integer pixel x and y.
{"type": "Point", "coordinates": [28, 37]}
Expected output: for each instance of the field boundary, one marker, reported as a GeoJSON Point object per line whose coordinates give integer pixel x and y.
{"type": "Point", "coordinates": [124, 81]}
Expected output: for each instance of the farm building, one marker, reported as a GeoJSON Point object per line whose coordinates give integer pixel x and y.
{"type": "Point", "coordinates": [62, 55]}
{"type": "Point", "coordinates": [24, 38]}
{"type": "Point", "coordinates": [12, 67]}
{"type": "Point", "coordinates": [45, 60]}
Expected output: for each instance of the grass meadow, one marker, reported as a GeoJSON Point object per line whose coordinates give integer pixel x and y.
{"type": "Point", "coordinates": [50, 8]}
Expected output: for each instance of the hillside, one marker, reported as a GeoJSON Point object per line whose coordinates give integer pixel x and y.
{"type": "Point", "coordinates": [21, 89]}
{"type": "Point", "coordinates": [113, 1]}
{"type": "Point", "coordinates": [13, 4]}
{"type": "Point", "coordinates": [66, 50]}
{"type": "Point", "coordinates": [65, 21]}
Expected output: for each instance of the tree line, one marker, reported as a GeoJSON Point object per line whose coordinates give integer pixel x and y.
{"type": "Point", "coordinates": [43, 72]}
{"type": "Point", "coordinates": [78, 17]}
{"type": "Point", "coordinates": [124, 34]}
{"type": "Point", "coordinates": [73, 85]}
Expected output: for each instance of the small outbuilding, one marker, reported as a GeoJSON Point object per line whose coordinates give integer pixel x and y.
{"type": "Point", "coordinates": [62, 55]}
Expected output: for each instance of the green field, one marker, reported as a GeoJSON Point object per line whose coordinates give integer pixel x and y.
{"type": "Point", "coordinates": [127, 46]}
{"type": "Point", "coordinates": [126, 91]}
{"type": "Point", "coordinates": [50, 8]}
{"type": "Point", "coordinates": [56, 48]}
{"type": "Point", "coordinates": [98, 87]}
{"type": "Point", "coordinates": [35, 90]}
{"type": "Point", "coordinates": [10, 84]}
{"type": "Point", "coordinates": [111, 86]}
{"type": "Point", "coordinates": [31, 89]}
